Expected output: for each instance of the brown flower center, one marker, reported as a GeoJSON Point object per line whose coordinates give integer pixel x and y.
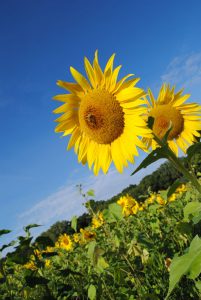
{"type": "Point", "coordinates": [101, 117]}
{"type": "Point", "coordinates": [165, 115]}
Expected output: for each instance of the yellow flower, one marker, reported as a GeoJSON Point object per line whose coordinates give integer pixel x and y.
{"type": "Point", "coordinates": [87, 235]}
{"type": "Point", "coordinates": [37, 253]}
{"type": "Point", "coordinates": [64, 242]}
{"type": "Point", "coordinates": [49, 249]}
{"type": "Point", "coordinates": [160, 200]}
{"type": "Point", "coordinates": [97, 221]}
{"type": "Point", "coordinates": [151, 199]}
{"type": "Point", "coordinates": [181, 189]}
{"type": "Point", "coordinates": [76, 237]}
{"type": "Point", "coordinates": [30, 265]}
{"type": "Point", "coordinates": [169, 109]}
{"type": "Point", "coordinates": [135, 208]}
{"type": "Point", "coordinates": [103, 116]}
{"type": "Point", "coordinates": [142, 207]}
{"type": "Point", "coordinates": [47, 263]}
{"type": "Point", "coordinates": [172, 198]}
{"type": "Point", "coordinates": [129, 204]}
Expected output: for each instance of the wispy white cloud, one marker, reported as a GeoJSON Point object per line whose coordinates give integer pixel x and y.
{"type": "Point", "coordinates": [184, 70]}
{"type": "Point", "coordinates": [66, 202]}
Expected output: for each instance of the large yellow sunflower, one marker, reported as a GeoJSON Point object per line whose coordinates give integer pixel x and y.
{"type": "Point", "coordinates": [102, 116]}
{"type": "Point", "coordinates": [169, 110]}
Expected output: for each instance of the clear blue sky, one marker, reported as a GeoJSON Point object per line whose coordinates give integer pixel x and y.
{"type": "Point", "coordinates": [40, 40]}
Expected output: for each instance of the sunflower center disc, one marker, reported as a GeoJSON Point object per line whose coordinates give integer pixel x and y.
{"type": "Point", "coordinates": [101, 117]}
{"type": "Point", "coordinates": [164, 115]}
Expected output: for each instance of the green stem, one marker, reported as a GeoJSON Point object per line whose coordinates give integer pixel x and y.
{"type": "Point", "coordinates": [178, 165]}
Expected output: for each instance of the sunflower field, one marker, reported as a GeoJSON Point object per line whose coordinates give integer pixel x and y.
{"type": "Point", "coordinates": [135, 248]}
{"type": "Point", "coordinates": [131, 250]}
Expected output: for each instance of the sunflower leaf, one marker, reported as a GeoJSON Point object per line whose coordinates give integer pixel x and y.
{"type": "Point", "coordinates": [150, 122]}
{"type": "Point", "coordinates": [165, 137]}
{"type": "Point", "coordinates": [74, 223]}
{"type": "Point", "coordinates": [152, 157]}
{"type": "Point", "coordinates": [193, 149]}
{"type": "Point", "coordinates": [187, 264]}
{"type": "Point", "coordinates": [4, 231]}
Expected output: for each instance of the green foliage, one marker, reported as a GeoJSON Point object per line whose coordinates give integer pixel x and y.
{"type": "Point", "coordinates": [189, 263]}
{"type": "Point", "coordinates": [74, 223]}
{"type": "Point", "coordinates": [126, 259]}
{"type": "Point", "coordinates": [4, 231]}
{"type": "Point", "coordinates": [92, 292]}
{"type": "Point", "coordinates": [155, 155]}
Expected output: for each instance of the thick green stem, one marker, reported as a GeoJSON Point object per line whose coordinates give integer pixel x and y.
{"type": "Point", "coordinates": [178, 165]}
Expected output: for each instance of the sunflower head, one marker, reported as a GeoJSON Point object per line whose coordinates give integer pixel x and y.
{"type": "Point", "coordinates": [170, 109]}
{"type": "Point", "coordinates": [103, 116]}
{"type": "Point", "coordinates": [64, 242]}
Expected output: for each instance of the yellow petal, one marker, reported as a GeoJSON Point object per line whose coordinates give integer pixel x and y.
{"type": "Point", "coordinates": [97, 69]}
{"type": "Point", "coordinates": [90, 72]}
{"type": "Point", "coordinates": [114, 78]}
{"type": "Point", "coordinates": [63, 126]}
{"type": "Point", "coordinates": [83, 148]}
{"type": "Point", "coordinates": [65, 107]}
{"type": "Point", "coordinates": [69, 131]}
{"type": "Point", "coordinates": [66, 98]}
{"type": "Point", "coordinates": [129, 83]}
{"type": "Point", "coordinates": [68, 115]}
{"type": "Point", "coordinates": [81, 80]}
{"type": "Point", "coordinates": [130, 94]}
{"type": "Point", "coordinates": [119, 84]}
{"type": "Point", "coordinates": [96, 166]}
{"type": "Point", "coordinates": [70, 86]}
{"type": "Point", "coordinates": [109, 65]}
{"type": "Point", "coordinates": [75, 135]}
{"type": "Point", "coordinates": [116, 156]}
{"type": "Point", "coordinates": [105, 157]}
{"type": "Point", "coordinates": [151, 96]}
{"type": "Point", "coordinates": [181, 100]}
{"type": "Point", "coordinates": [173, 147]}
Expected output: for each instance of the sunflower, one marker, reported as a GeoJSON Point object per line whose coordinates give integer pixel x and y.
{"type": "Point", "coordinates": [129, 205]}
{"type": "Point", "coordinates": [97, 220]}
{"type": "Point", "coordinates": [169, 110]}
{"type": "Point", "coordinates": [64, 242]}
{"type": "Point", "coordinates": [103, 116]}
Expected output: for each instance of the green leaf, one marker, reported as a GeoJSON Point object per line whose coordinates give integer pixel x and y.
{"type": "Point", "coordinates": [101, 264]}
{"type": "Point", "coordinates": [188, 263]}
{"type": "Point", "coordinates": [150, 122]}
{"type": "Point", "coordinates": [91, 249]}
{"type": "Point", "coordinates": [92, 292]}
{"type": "Point", "coordinates": [4, 231]}
{"type": "Point", "coordinates": [192, 211]}
{"type": "Point", "coordinates": [174, 186]}
{"type": "Point", "coordinates": [28, 227]}
{"type": "Point", "coordinates": [165, 137]}
{"type": "Point", "coordinates": [116, 211]}
{"type": "Point", "coordinates": [7, 245]}
{"type": "Point", "coordinates": [74, 223]}
{"type": "Point", "coordinates": [193, 149]}
{"type": "Point", "coordinates": [108, 216]}
{"type": "Point", "coordinates": [91, 193]}
{"type": "Point", "coordinates": [155, 155]}
{"type": "Point", "coordinates": [198, 285]}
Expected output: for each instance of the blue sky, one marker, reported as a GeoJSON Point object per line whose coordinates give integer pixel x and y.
{"type": "Point", "coordinates": [40, 40]}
